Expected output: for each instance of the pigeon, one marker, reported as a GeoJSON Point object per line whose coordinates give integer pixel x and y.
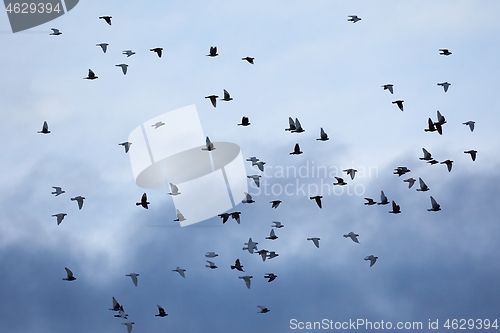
{"type": "Point", "coordinates": [263, 309]}
{"type": "Point", "coordinates": [315, 241]}
{"type": "Point", "coordinates": [272, 235]}
{"type": "Point", "coordinates": [69, 274]}
{"type": "Point", "coordinates": [353, 236]}
{"type": "Point", "coordinates": [104, 46]}
{"type": "Point", "coordinates": [383, 199]}
{"type": "Point", "coordinates": [121, 313]}
{"type": "Point", "coordinates": [410, 182]}
{"type": "Point", "coordinates": [124, 68]}
{"type": "Point", "coordinates": [291, 125]}
{"type": "Point", "coordinates": [211, 255]}
{"type": "Point", "coordinates": [272, 255]}
{"type": "Point", "coordinates": [248, 198]}
{"type": "Point", "coordinates": [129, 53]}
{"type": "Point", "coordinates": [126, 145]}
{"type": "Point", "coordinates": [180, 217]}
{"type": "Point", "coordinates": [340, 181]}
{"type": "Point", "coordinates": [472, 154]}
{"type": "Point", "coordinates": [270, 276]}
{"type": "Point", "coordinates": [224, 217]}
{"type": "Point", "coordinates": [247, 279]}
{"type": "Point", "coordinates": [260, 165]}
{"type": "Point", "coordinates": [298, 127]}
{"type": "Point", "coordinates": [58, 190]}
{"type": "Point", "coordinates": [322, 135]}
{"type": "Point", "coordinates": [296, 150]}
{"type": "Point", "coordinates": [60, 217]}
{"type": "Point", "coordinates": [470, 123]}
{"type": "Point", "coordinates": [277, 224]}
{"type": "Point", "coordinates": [427, 155]}
{"type": "Point", "coordinates": [399, 103]}
{"type": "Point", "coordinates": [55, 32]}
{"type": "Point", "coordinates": [369, 201]}
{"type": "Point", "coordinates": [45, 128]}
{"type": "Point", "coordinates": [275, 203]}
{"type": "Point", "coordinates": [244, 122]}
{"type": "Point", "coordinates": [91, 75]}
{"type": "Point", "coordinates": [180, 271]}
{"type": "Point", "coordinates": [251, 246]}
{"type": "Point", "coordinates": [423, 186]}
{"type": "Point", "coordinates": [161, 312]}
{"type": "Point", "coordinates": [144, 201]}
{"type": "Point", "coordinates": [106, 18]}
{"type": "Point", "coordinates": [388, 87]}
{"type": "Point", "coordinates": [249, 59]}
{"type": "Point", "coordinates": [157, 50]}
{"type": "Point", "coordinates": [211, 265]}
{"type": "Point", "coordinates": [263, 253]}
{"type": "Point", "coordinates": [445, 85]}
{"type": "Point", "coordinates": [372, 259]}
{"type": "Point", "coordinates": [237, 265]}
{"type": "Point", "coordinates": [79, 199]}
{"type": "Point", "coordinates": [435, 205]}
{"type": "Point", "coordinates": [401, 171]}
{"type": "Point", "coordinates": [432, 162]}
{"type": "Point", "coordinates": [353, 18]}
{"type": "Point", "coordinates": [227, 97]}
{"type": "Point", "coordinates": [236, 216]}
{"type": "Point", "coordinates": [445, 52]}
{"type": "Point", "coordinates": [133, 276]}
{"type": "Point", "coordinates": [158, 124]}
{"type": "Point", "coordinates": [129, 326]}
{"type": "Point", "coordinates": [213, 99]}
{"type": "Point", "coordinates": [116, 305]}
{"type": "Point", "coordinates": [174, 189]}
{"type": "Point", "coordinates": [213, 51]}
{"type": "Point", "coordinates": [317, 198]}
{"type": "Point", "coordinates": [351, 172]}
{"type": "Point", "coordinates": [448, 163]}
{"type": "Point", "coordinates": [433, 127]}
{"type": "Point", "coordinates": [395, 208]}
{"type": "Point", "coordinates": [209, 146]}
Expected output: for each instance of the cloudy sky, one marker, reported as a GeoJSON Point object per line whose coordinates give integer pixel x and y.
{"type": "Point", "coordinates": [310, 63]}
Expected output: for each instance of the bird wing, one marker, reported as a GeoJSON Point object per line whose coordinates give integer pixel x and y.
{"type": "Point", "coordinates": [434, 203]}
{"type": "Point", "coordinates": [226, 94]}
{"type": "Point", "coordinates": [134, 278]}
{"type": "Point", "coordinates": [383, 198]}
{"type": "Point", "coordinates": [68, 272]}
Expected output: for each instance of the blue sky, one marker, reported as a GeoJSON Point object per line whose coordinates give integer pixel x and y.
{"type": "Point", "coordinates": [310, 63]}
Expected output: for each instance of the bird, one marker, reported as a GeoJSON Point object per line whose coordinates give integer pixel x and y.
{"type": "Point", "coordinates": [180, 217]}
{"type": "Point", "coordinates": [133, 276]}
{"type": "Point", "coordinates": [427, 155]}
{"type": "Point", "coordinates": [213, 51]}
{"type": "Point", "coordinates": [383, 199]}
{"type": "Point", "coordinates": [121, 313]}
{"type": "Point", "coordinates": [395, 208]}
{"type": "Point", "coordinates": [144, 201]}
{"type": "Point", "coordinates": [227, 96]}
{"type": "Point", "coordinates": [211, 265]}
{"type": "Point", "coordinates": [91, 75]}
{"type": "Point", "coordinates": [236, 216]}
{"type": "Point", "coordinates": [445, 52]}
{"type": "Point", "coordinates": [263, 309]}
{"type": "Point", "coordinates": [470, 123]}
{"type": "Point", "coordinates": [237, 265]}
{"type": "Point", "coordinates": [129, 326]}
{"type": "Point", "coordinates": [248, 198]}
{"type": "Point", "coordinates": [129, 53]}
{"type": "Point", "coordinates": [55, 32]}
{"type": "Point", "coordinates": [116, 305]}
{"type": "Point", "coordinates": [252, 159]}
{"type": "Point", "coordinates": [275, 203]}
{"type": "Point", "coordinates": [472, 154]}
{"type": "Point", "coordinates": [298, 127]}
{"type": "Point", "coordinates": [369, 201]}
{"type": "Point", "coordinates": [247, 280]}
{"type": "Point", "coordinates": [126, 145]}
{"type": "Point", "coordinates": [157, 50]}
{"type": "Point", "coordinates": [104, 46]}
{"type": "Point", "coordinates": [435, 205]}
{"type": "Point", "coordinates": [244, 122]}
{"type": "Point", "coordinates": [277, 224]}
{"type": "Point", "coordinates": [209, 146]}
{"type": "Point", "coordinates": [263, 253]}
{"type": "Point", "coordinates": [224, 217]}
{"type": "Point", "coordinates": [322, 135]}
{"type": "Point", "coordinates": [45, 128]}
{"type": "Point", "coordinates": [174, 189]}
{"type": "Point", "coordinates": [351, 172]}
{"type": "Point", "coordinates": [353, 18]}
{"type": "Point", "coordinates": [317, 198]}
{"type": "Point", "coordinates": [315, 240]}
{"type": "Point", "coordinates": [272, 255]}
{"type": "Point", "coordinates": [211, 255]}
{"type": "Point", "coordinates": [272, 235]}
{"type": "Point", "coordinates": [353, 236]}
{"type": "Point", "coordinates": [79, 199]}
{"type": "Point", "coordinates": [58, 190]}
{"type": "Point", "coordinates": [448, 163]}
{"type": "Point", "coordinates": [445, 85]}
{"type": "Point", "coordinates": [431, 127]}
{"type": "Point", "coordinates": [260, 165]}
{"type": "Point", "coordinates": [399, 103]}
{"type": "Point", "coordinates": [180, 271]}
{"type": "Point", "coordinates": [249, 59]}
{"type": "Point", "coordinates": [106, 18]}
{"type": "Point", "coordinates": [296, 150]}
{"type": "Point", "coordinates": [441, 120]}
{"type": "Point", "coordinates": [388, 87]}
{"type": "Point", "coordinates": [270, 276]}
{"type": "Point", "coordinates": [124, 68]}
{"type": "Point", "coordinates": [158, 124]}
{"type": "Point", "coordinates": [372, 259]}
{"type": "Point", "coordinates": [401, 171]}
{"type": "Point", "coordinates": [161, 312]}
{"type": "Point", "coordinates": [423, 186]}
{"type": "Point", "coordinates": [251, 246]}
{"type": "Point", "coordinates": [432, 162]}
{"type": "Point", "coordinates": [69, 274]}
{"type": "Point", "coordinates": [213, 99]}
{"type": "Point", "coordinates": [60, 217]}
{"type": "Point", "coordinates": [340, 181]}
{"type": "Point", "coordinates": [291, 124]}
{"type": "Point", "coordinates": [410, 182]}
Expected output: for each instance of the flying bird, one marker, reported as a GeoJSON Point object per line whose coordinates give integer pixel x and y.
{"type": "Point", "coordinates": [249, 59]}
{"type": "Point", "coordinates": [470, 123]}
{"type": "Point", "coordinates": [247, 280]}
{"type": "Point", "coordinates": [129, 326]}
{"type": "Point", "coordinates": [180, 217]}
{"type": "Point", "coordinates": [322, 135]}
{"type": "Point", "coordinates": [277, 224]}
{"type": "Point", "coordinates": [272, 235]}
{"type": "Point", "coordinates": [180, 271]}
{"type": "Point", "coordinates": [133, 276]}
{"type": "Point", "coordinates": [251, 246]}
{"type": "Point", "coordinates": [383, 199]}
{"type": "Point", "coordinates": [213, 51]}
{"type": "Point", "coordinates": [315, 240]}
{"type": "Point", "coordinates": [158, 124]}
{"type": "Point", "coordinates": [69, 274]}
{"type": "Point", "coordinates": [272, 255]}
{"type": "Point", "coordinates": [435, 205]}
{"type": "Point", "coordinates": [211, 265]}
{"type": "Point", "coordinates": [248, 198]}
{"type": "Point", "coordinates": [263, 253]}
{"type": "Point", "coordinates": [395, 208]}
{"type": "Point", "coordinates": [353, 236]}
{"type": "Point", "coordinates": [275, 203]}
{"type": "Point", "coordinates": [317, 198]}
{"type": "Point", "coordinates": [296, 150]}
{"type": "Point", "coordinates": [79, 199]}
{"type": "Point", "coordinates": [161, 312]}
{"type": "Point", "coordinates": [237, 265]}
{"type": "Point", "coordinates": [369, 201]}
{"type": "Point", "coordinates": [174, 189]}
{"type": "Point", "coordinates": [45, 128]}
{"type": "Point", "coordinates": [427, 155]}
{"type": "Point", "coordinates": [298, 127]}
{"type": "Point", "coordinates": [91, 75]}
{"type": "Point", "coordinates": [445, 52]}
{"type": "Point", "coordinates": [227, 97]}
{"type": "Point", "coordinates": [401, 171]}
{"type": "Point", "coordinates": [441, 120]}
{"type": "Point", "coordinates": [260, 165]}
{"type": "Point", "coordinates": [58, 190]}
{"type": "Point", "coordinates": [236, 216]}
{"type": "Point", "coordinates": [448, 163]}
{"type": "Point", "coordinates": [399, 103]}
{"type": "Point", "coordinates": [106, 18]}
{"type": "Point", "coordinates": [116, 305]}
{"type": "Point", "coordinates": [129, 53]}
{"type": "Point", "coordinates": [388, 87]}
{"type": "Point", "coordinates": [213, 99]}
{"type": "Point", "coordinates": [472, 154]}
{"type": "Point", "coordinates": [431, 127]}
{"type": "Point", "coordinates": [157, 50]}
{"type": "Point", "coordinates": [104, 46]}
{"type": "Point", "coordinates": [270, 276]}
{"type": "Point", "coordinates": [351, 172]}
{"type": "Point", "coordinates": [121, 313]}
{"type": "Point", "coordinates": [445, 85]}
{"type": "Point", "coordinates": [209, 146]}
{"type": "Point", "coordinates": [410, 182]}
{"type": "Point", "coordinates": [55, 32]}
{"type": "Point", "coordinates": [144, 201]}
{"type": "Point", "coordinates": [224, 217]}
{"type": "Point", "coordinates": [126, 145]}
{"type": "Point", "coordinates": [211, 255]}
{"type": "Point", "coordinates": [244, 122]}
{"type": "Point", "coordinates": [340, 181]}
{"type": "Point", "coordinates": [353, 18]}
{"type": "Point", "coordinates": [291, 124]}
{"type": "Point", "coordinates": [372, 259]}
{"type": "Point", "coordinates": [60, 217]}
{"type": "Point", "coordinates": [124, 68]}
{"type": "Point", "coordinates": [263, 309]}
{"type": "Point", "coordinates": [423, 186]}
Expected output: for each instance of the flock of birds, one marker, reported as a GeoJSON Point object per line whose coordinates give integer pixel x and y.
{"type": "Point", "coordinates": [294, 127]}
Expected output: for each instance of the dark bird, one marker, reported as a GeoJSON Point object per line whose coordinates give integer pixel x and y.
{"type": "Point", "coordinates": [431, 127]}
{"type": "Point", "coordinates": [423, 186]}
{"type": "Point", "coordinates": [448, 163]}
{"type": "Point", "coordinates": [353, 236]}
{"type": "Point", "coordinates": [317, 198]}
{"type": "Point", "coordinates": [470, 123]}
{"type": "Point", "coordinates": [263, 309]}
{"type": "Point", "coordinates": [395, 208]}
{"type": "Point", "coordinates": [441, 119]}
{"type": "Point", "coordinates": [224, 217]}
{"type": "Point", "coordinates": [256, 179]}
{"type": "Point", "coordinates": [410, 182]}
{"type": "Point", "coordinates": [45, 128]}
{"type": "Point", "coordinates": [291, 125]}
{"type": "Point", "coordinates": [399, 103]}
{"type": "Point", "coordinates": [213, 99]}
{"type": "Point", "coordinates": [322, 135]}
{"type": "Point", "coordinates": [237, 265]}
{"type": "Point", "coordinates": [157, 50]}
{"type": "Point", "coordinates": [126, 145]}
{"type": "Point", "coordinates": [383, 199]}
{"type": "Point", "coordinates": [58, 190]}
{"type": "Point", "coordinates": [106, 18]}
{"type": "Point", "coordinates": [353, 18]}
{"type": "Point", "coordinates": [144, 201]}
{"type": "Point", "coordinates": [104, 46]}
{"type": "Point", "coordinates": [427, 155]}
{"type": "Point", "coordinates": [161, 312]}
{"type": "Point", "coordinates": [213, 51]}
{"type": "Point", "coordinates": [211, 265]}
{"type": "Point", "coordinates": [369, 201]}
{"type": "Point", "coordinates": [388, 87]}
{"type": "Point", "coordinates": [472, 154]}
{"type": "Point", "coordinates": [432, 162]}
{"type": "Point", "coordinates": [79, 199]}
{"type": "Point", "coordinates": [435, 205]}
{"type": "Point", "coordinates": [249, 59]}
{"type": "Point", "coordinates": [263, 253]}
{"type": "Point", "coordinates": [445, 85]}
{"type": "Point", "coordinates": [248, 198]}
{"type": "Point", "coordinates": [116, 305]}
{"type": "Point", "coordinates": [296, 150]}
{"type": "Point", "coordinates": [209, 146]}
{"type": "Point", "coordinates": [372, 259]}
{"type": "Point", "coordinates": [244, 122]}
{"type": "Point", "coordinates": [227, 97]}
{"type": "Point", "coordinates": [340, 181]}
{"type": "Point", "coordinates": [351, 172]}
{"type": "Point", "coordinates": [270, 276]}
{"type": "Point", "coordinates": [60, 217]}
{"type": "Point", "coordinates": [236, 216]}
{"type": "Point", "coordinates": [401, 171]}
{"type": "Point", "coordinates": [445, 52]}
{"type": "Point", "coordinates": [275, 203]}
{"type": "Point", "coordinates": [129, 53]}
{"type": "Point", "coordinates": [55, 32]}
{"type": "Point", "coordinates": [69, 274]}
{"type": "Point", "coordinates": [272, 235]}
{"type": "Point", "coordinates": [278, 224]}
{"type": "Point", "coordinates": [124, 68]}
{"type": "Point", "coordinates": [298, 127]}
{"type": "Point", "coordinates": [91, 75]}
{"type": "Point", "coordinates": [272, 255]}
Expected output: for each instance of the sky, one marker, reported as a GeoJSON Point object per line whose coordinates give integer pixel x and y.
{"type": "Point", "coordinates": [311, 64]}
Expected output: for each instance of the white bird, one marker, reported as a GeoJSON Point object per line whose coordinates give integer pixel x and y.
{"type": "Point", "coordinates": [180, 271]}
{"type": "Point", "coordinates": [322, 135]}
{"type": "Point", "coordinates": [128, 53]}
{"type": "Point", "coordinates": [129, 326]}
{"type": "Point", "coordinates": [255, 179]}
{"type": "Point", "coordinates": [277, 224]}
{"type": "Point", "coordinates": [158, 124]}
{"type": "Point", "coordinates": [423, 186]}
{"type": "Point", "coordinates": [45, 128]}
{"type": "Point", "coordinates": [470, 123]}
{"type": "Point", "coordinates": [263, 309]}
{"type": "Point", "coordinates": [427, 155]}
{"type": "Point", "coordinates": [353, 236]}
{"type": "Point", "coordinates": [388, 87]}
{"type": "Point", "coordinates": [104, 46]}
{"type": "Point", "coordinates": [124, 68]}
{"type": "Point", "coordinates": [211, 265]}
{"type": "Point", "coordinates": [472, 154]}
{"type": "Point", "coordinates": [180, 217]}
{"type": "Point", "coordinates": [69, 275]}
{"type": "Point", "coordinates": [55, 32]}
{"type": "Point", "coordinates": [315, 241]}
{"type": "Point", "coordinates": [351, 172]}
{"type": "Point", "coordinates": [445, 85]}
{"type": "Point", "coordinates": [174, 189]}
{"type": "Point", "coordinates": [79, 199]}
{"type": "Point", "coordinates": [251, 246]}
{"type": "Point", "coordinates": [248, 198]}
{"type": "Point", "coordinates": [435, 205]}
{"type": "Point", "coordinates": [209, 146]}
{"type": "Point", "coordinates": [126, 145]}
{"type": "Point", "coordinates": [353, 18]}
{"type": "Point", "coordinates": [211, 254]}
{"type": "Point", "coordinates": [247, 280]}
{"type": "Point", "coordinates": [410, 182]}
{"type": "Point", "coordinates": [58, 190]}
{"type": "Point", "coordinates": [60, 217]}
{"type": "Point", "coordinates": [372, 259]}
{"type": "Point", "coordinates": [134, 277]}
{"type": "Point", "coordinates": [383, 199]}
